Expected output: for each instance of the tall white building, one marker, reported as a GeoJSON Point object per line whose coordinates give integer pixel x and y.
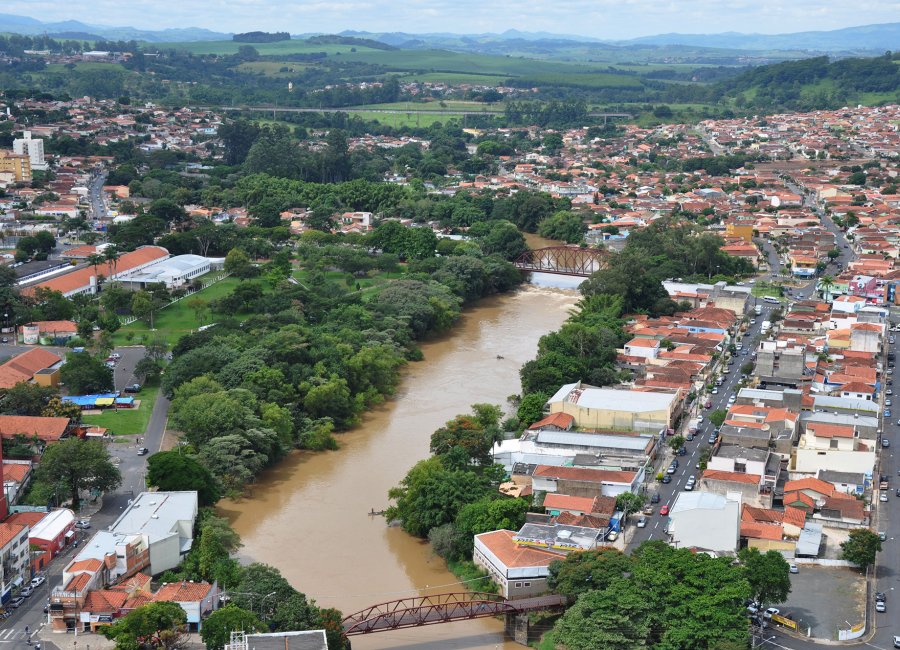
{"type": "Point", "coordinates": [34, 149]}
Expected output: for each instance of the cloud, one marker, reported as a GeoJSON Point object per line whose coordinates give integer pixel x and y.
{"type": "Point", "coordinates": [598, 18]}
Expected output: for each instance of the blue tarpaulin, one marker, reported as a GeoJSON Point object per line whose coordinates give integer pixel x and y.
{"type": "Point", "coordinates": [90, 400]}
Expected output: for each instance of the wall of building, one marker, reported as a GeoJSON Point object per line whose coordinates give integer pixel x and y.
{"type": "Point", "coordinates": [810, 461]}
{"type": "Point", "coordinates": [713, 530]}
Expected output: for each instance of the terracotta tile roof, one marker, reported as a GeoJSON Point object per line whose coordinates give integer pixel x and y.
{"type": "Point", "coordinates": [849, 508]}
{"type": "Point", "coordinates": [9, 532]}
{"type": "Point", "coordinates": [794, 516]}
{"type": "Point", "coordinates": [732, 477]}
{"type": "Point", "coordinates": [822, 430]}
{"type": "Point", "coordinates": [810, 483]}
{"type": "Point", "coordinates": [104, 601]}
{"type": "Point", "coordinates": [557, 501]}
{"type": "Point", "coordinates": [137, 581]}
{"type": "Point", "coordinates": [760, 515]}
{"type": "Point", "coordinates": [583, 474]}
{"type": "Point", "coordinates": [501, 544]}
{"type": "Point", "coordinates": [91, 564]}
{"type": "Point", "coordinates": [79, 582]}
{"type": "Point", "coordinates": [15, 471]}
{"type": "Point", "coordinates": [24, 366]}
{"type": "Point", "coordinates": [29, 519]}
{"type": "Point", "coordinates": [761, 531]}
{"type": "Point", "coordinates": [81, 278]}
{"type": "Point", "coordinates": [183, 592]}
{"type": "Point", "coordinates": [54, 326]}
{"type": "Point", "coordinates": [561, 420]}
{"type": "Point", "coordinates": [798, 498]}
{"type": "Point", "coordinates": [47, 429]}
{"type": "Point", "coordinates": [593, 520]}
{"type": "Point", "coordinates": [139, 599]}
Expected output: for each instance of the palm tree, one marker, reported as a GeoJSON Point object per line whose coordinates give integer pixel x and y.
{"type": "Point", "coordinates": [826, 284]}
{"type": "Point", "coordinates": [95, 260]}
{"type": "Point", "coordinates": [111, 254]}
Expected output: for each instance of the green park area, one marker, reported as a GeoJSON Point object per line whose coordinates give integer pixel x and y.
{"type": "Point", "coordinates": [174, 321]}
{"type": "Point", "coordinates": [127, 422]}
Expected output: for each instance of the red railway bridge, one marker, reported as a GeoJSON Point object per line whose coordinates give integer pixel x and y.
{"type": "Point", "coordinates": [441, 608]}
{"type": "Point", "coordinates": [562, 260]}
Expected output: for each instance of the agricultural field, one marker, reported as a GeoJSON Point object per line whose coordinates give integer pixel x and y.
{"type": "Point", "coordinates": [86, 66]}
{"type": "Point", "coordinates": [437, 106]}
{"type": "Point", "coordinates": [265, 49]}
{"type": "Point", "coordinates": [456, 78]}
{"type": "Point", "coordinates": [284, 69]}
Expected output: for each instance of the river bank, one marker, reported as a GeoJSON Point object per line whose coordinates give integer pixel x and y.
{"type": "Point", "coordinates": [308, 516]}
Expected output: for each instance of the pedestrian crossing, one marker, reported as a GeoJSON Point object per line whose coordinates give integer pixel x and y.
{"type": "Point", "coordinates": [13, 634]}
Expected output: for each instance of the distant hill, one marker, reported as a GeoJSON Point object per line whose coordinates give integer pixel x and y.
{"type": "Point", "coordinates": [876, 38]}
{"type": "Point", "coordinates": [31, 26]}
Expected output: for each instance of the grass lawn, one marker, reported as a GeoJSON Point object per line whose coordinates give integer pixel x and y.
{"type": "Point", "coordinates": [408, 119]}
{"type": "Point", "coordinates": [368, 286]}
{"type": "Point", "coordinates": [761, 289]}
{"type": "Point", "coordinates": [177, 320]}
{"type": "Point", "coordinates": [128, 422]}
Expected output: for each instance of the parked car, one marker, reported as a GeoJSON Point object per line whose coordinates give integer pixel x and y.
{"type": "Point", "coordinates": [889, 391]}
{"type": "Point", "coordinates": [712, 439]}
{"type": "Point", "coordinates": [689, 437]}
{"type": "Point", "coordinates": [883, 498]}
{"type": "Point", "coordinates": [666, 478]}
{"type": "Point", "coordinates": [664, 510]}
{"type": "Point", "coordinates": [133, 388]}
{"type": "Point", "coordinates": [715, 391]}
{"type": "Point", "coordinates": [795, 568]}
{"type": "Point", "coordinates": [897, 641]}
{"type": "Point", "coordinates": [880, 595]}
{"type": "Point", "coordinates": [115, 355]}
{"type": "Point", "coordinates": [887, 413]}
{"type": "Point", "coordinates": [83, 524]}
{"type": "Point", "coordinates": [613, 535]}
{"type": "Point", "coordinates": [5, 339]}
{"type": "Point", "coordinates": [642, 523]}
{"type": "Point", "coordinates": [887, 402]}
{"type": "Point", "coordinates": [880, 606]}
{"type": "Point", "coordinates": [15, 602]}
{"type": "Point", "coordinates": [882, 535]}
{"type": "Point", "coordinates": [143, 451]}
{"type": "Point", "coordinates": [38, 580]}
{"type": "Point", "coordinates": [682, 451]}
{"type": "Point", "coordinates": [648, 510]}
{"type": "Point", "coordinates": [27, 591]}
{"type": "Point", "coordinates": [770, 612]}
{"type": "Point", "coordinates": [655, 498]}
{"type": "Point", "coordinates": [885, 442]}
{"type": "Point", "coordinates": [708, 404]}
{"type": "Point", "coordinates": [671, 469]}
{"type": "Point", "coordinates": [688, 487]}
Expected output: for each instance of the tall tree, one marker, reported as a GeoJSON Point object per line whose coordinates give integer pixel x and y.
{"type": "Point", "coordinates": [75, 465]}
{"type": "Point", "coordinates": [768, 574]}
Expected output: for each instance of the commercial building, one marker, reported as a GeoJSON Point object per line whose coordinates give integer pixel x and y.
{"type": "Point", "coordinates": [520, 571]}
{"type": "Point", "coordinates": [173, 272]}
{"type": "Point", "coordinates": [54, 532]}
{"type": "Point", "coordinates": [167, 520]}
{"type": "Point", "coordinates": [615, 409]}
{"type": "Point", "coordinates": [86, 280]}
{"type": "Point", "coordinates": [197, 599]}
{"type": "Point", "coordinates": [25, 366]}
{"type": "Point", "coordinates": [706, 521]}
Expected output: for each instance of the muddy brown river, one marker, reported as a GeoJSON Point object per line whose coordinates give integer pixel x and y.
{"type": "Point", "coordinates": [309, 515]}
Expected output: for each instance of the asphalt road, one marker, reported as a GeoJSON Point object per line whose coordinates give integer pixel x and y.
{"type": "Point", "coordinates": [95, 196]}
{"type": "Point", "coordinates": [656, 523]}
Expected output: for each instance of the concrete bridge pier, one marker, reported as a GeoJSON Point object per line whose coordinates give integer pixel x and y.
{"type": "Point", "coordinates": [517, 627]}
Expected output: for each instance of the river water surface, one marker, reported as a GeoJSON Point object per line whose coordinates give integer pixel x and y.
{"type": "Point", "coordinates": [309, 515]}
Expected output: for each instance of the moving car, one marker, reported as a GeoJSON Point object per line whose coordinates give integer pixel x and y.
{"type": "Point", "coordinates": [883, 498]}
{"type": "Point", "coordinates": [664, 510]}
{"type": "Point", "coordinates": [655, 498]}
{"type": "Point", "coordinates": [642, 523]}
{"type": "Point", "coordinates": [143, 451]}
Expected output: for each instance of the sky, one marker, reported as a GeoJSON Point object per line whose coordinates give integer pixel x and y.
{"type": "Point", "coordinates": [608, 19]}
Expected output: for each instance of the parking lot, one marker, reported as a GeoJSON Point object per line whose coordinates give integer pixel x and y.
{"type": "Point", "coordinates": [825, 599]}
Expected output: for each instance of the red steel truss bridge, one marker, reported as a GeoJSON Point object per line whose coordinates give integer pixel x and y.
{"type": "Point", "coordinates": [563, 260]}
{"type": "Point", "coordinates": [440, 608]}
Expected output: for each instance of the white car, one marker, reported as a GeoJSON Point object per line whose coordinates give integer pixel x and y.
{"type": "Point", "coordinates": [642, 523]}
{"type": "Point", "coordinates": [897, 641]}
{"type": "Point", "coordinates": [795, 568]}
{"type": "Point", "coordinates": [880, 606]}
{"type": "Point", "coordinates": [38, 580]}
{"type": "Point", "coordinates": [770, 612]}
{"type": "Point", "coordinates": [883, 498]}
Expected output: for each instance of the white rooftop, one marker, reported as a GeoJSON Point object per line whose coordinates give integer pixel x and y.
{"type": "Point", "coordinates": [157, 514]}
{"type": "Point", "coordinates": [614, 399]}
{"type": "Point", "coordinates": [53, 524]}
{"type": "Point", "coordinates": [698, 501]}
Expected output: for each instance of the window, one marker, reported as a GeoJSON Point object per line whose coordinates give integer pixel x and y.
{"type": "Point", "coordinates": [518, 585]}
{"type": "Point", "coordinates": [527, 584]}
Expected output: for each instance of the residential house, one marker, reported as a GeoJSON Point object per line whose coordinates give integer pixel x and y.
{"type": "Point", "coordinates": [197, 599]}
{"type": "Point", "coordinates": [519, 571]}
{"type": "Point", "coordinates": [14, 558]}
{"type": "Point", "coordinates": [838, 447]}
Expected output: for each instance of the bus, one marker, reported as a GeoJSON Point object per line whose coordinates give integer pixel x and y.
{"type": "Point", "coordinates": [771, 299]}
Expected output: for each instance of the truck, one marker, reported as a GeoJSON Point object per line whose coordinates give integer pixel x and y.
{"type": "Point", "coordinates": [693, 425]}
{"type": "Point", "coordinates": [766, 326]}
{"type": "Point", "coordinates": [757, 310]}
